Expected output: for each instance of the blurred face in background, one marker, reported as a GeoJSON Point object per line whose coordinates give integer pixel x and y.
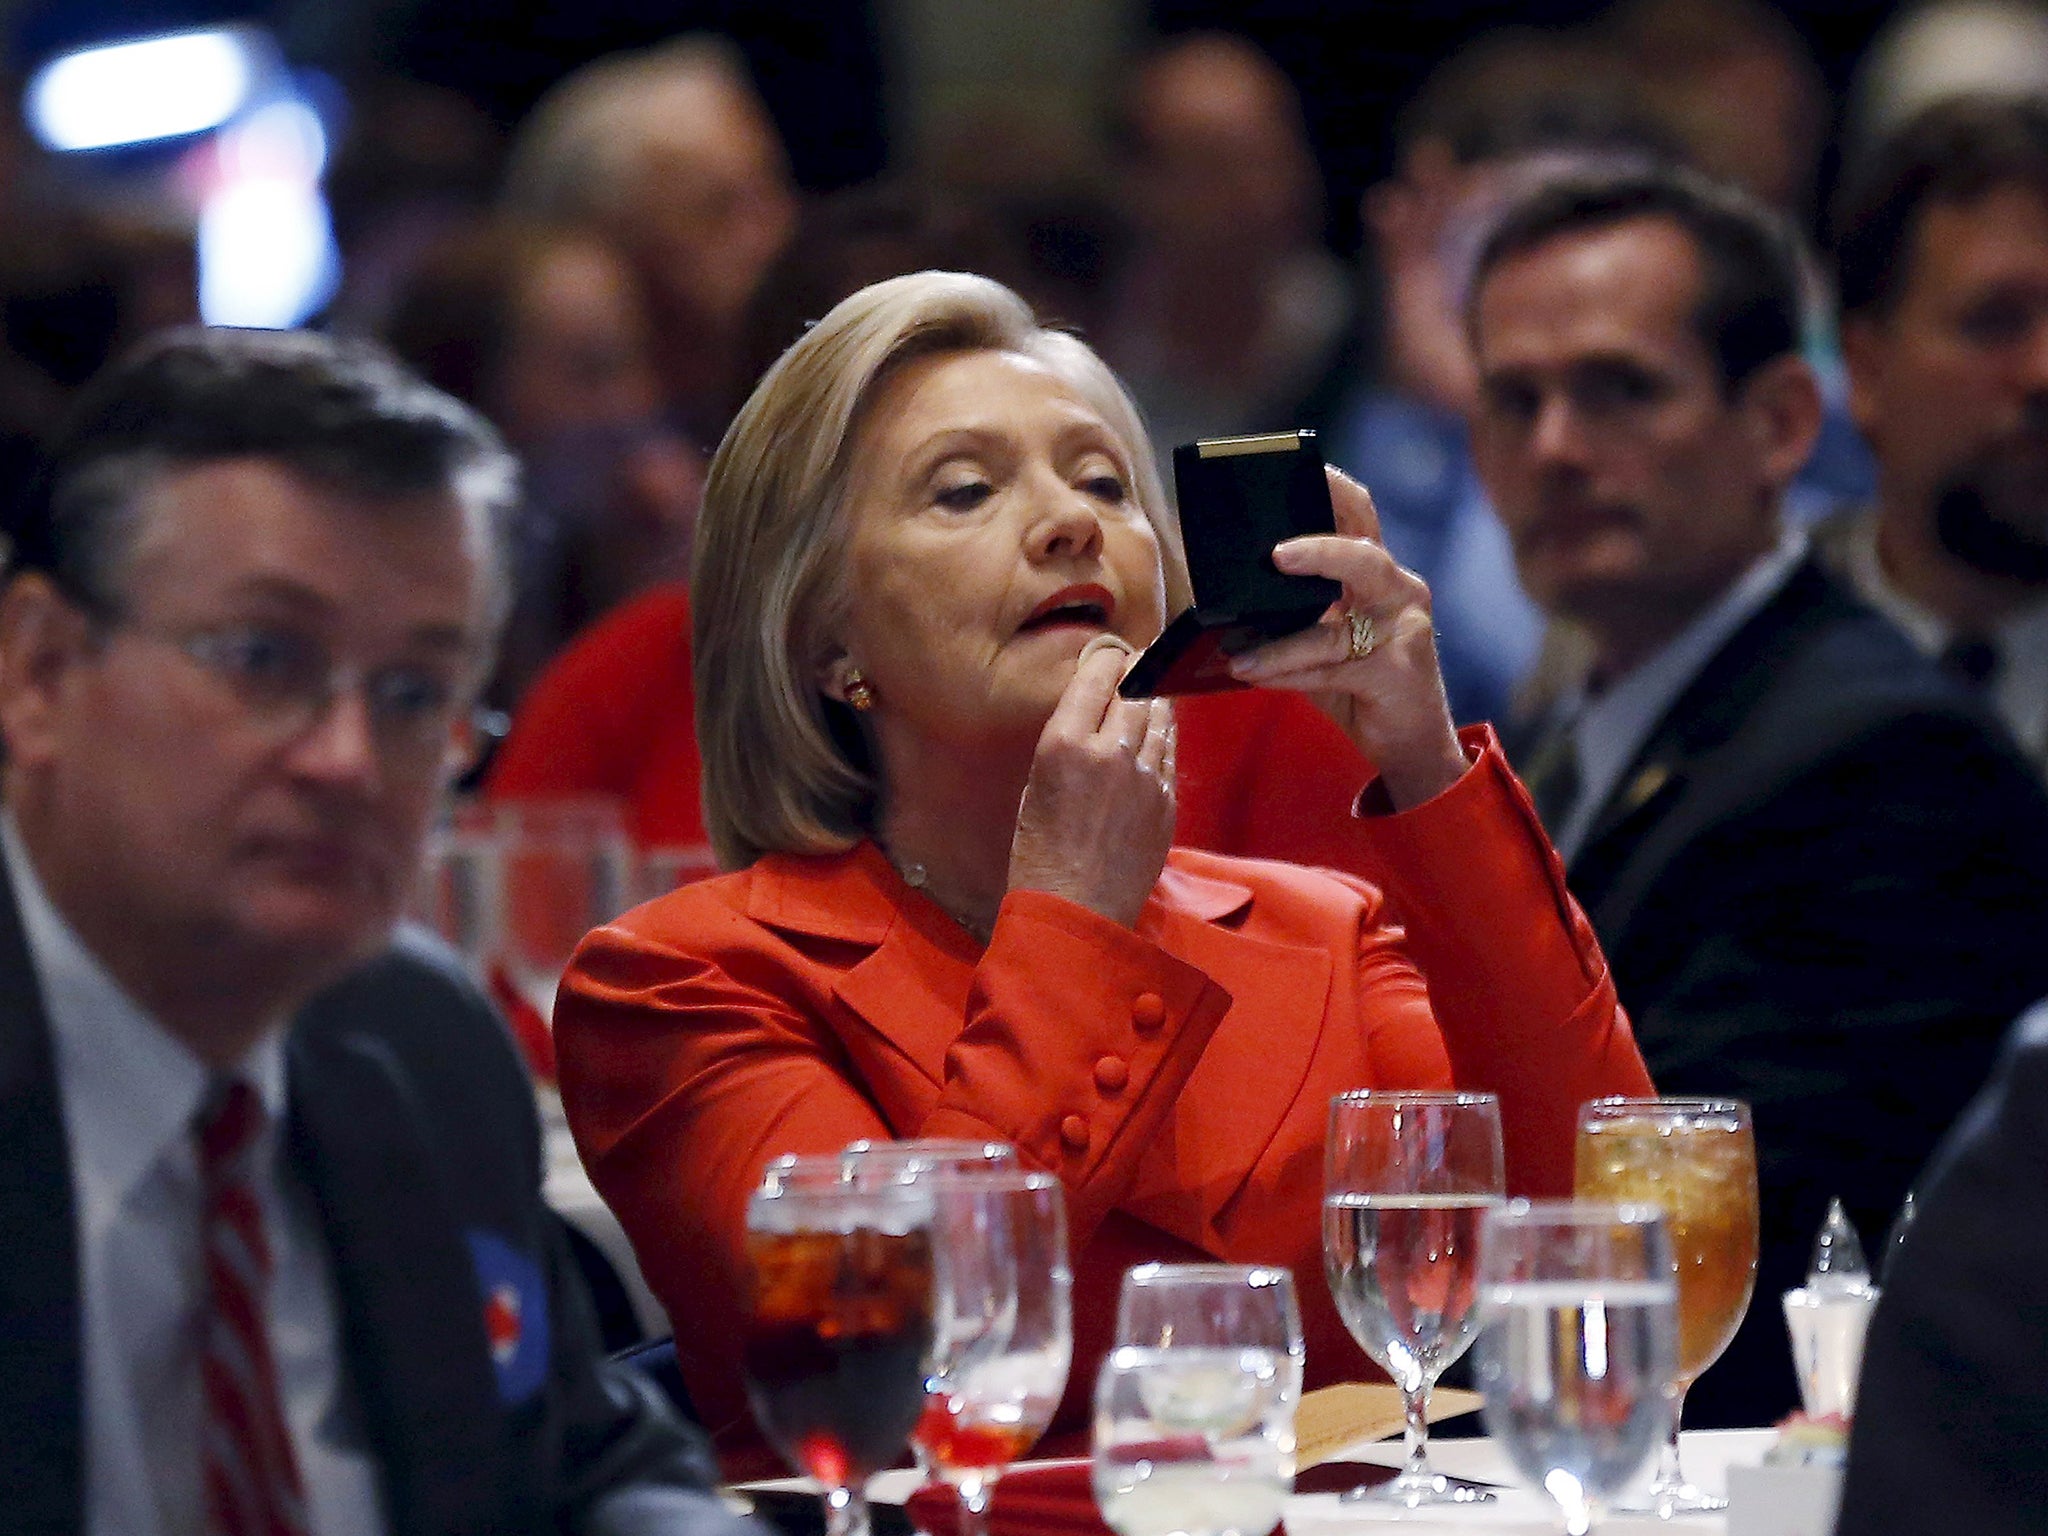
{"type": "Point", "coordinates": [1222, 163]}
{"type": "Point", "coordinates": [1634, 485]}
{"type": "Point", "coordinates": [577, 352]}
{"type": "Point", "coordinates": [711, 204]}
{"type": "Point", "coordinates": [1950, 384]}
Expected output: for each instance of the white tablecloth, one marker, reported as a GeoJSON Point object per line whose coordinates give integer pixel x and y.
{"type": "Point", "coordinates": [1517, 1511]}
{"type": "Point", "coordinates": [1706, 1455]}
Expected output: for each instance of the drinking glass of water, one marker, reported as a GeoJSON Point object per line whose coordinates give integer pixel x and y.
{"type": "Point", "coordinates": [1005, 1326]}
{"type": "Point", "coordinates": [1194, 1408]}
{"type": "Point", "coordinates": [1579, 1355]}
{"type": "Point", "coordinates": [1406, 1178]}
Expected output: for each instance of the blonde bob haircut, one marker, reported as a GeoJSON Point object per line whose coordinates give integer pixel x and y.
{"type": "Point", "coordinates": [785, 768]}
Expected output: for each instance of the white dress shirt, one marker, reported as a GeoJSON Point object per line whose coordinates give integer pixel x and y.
{"type": "Point", "coordinates": [2020, 691]}
{"type": "Point", "coordinates": [129, 1092]}
{"type": "Point", "coordinates": [1610, 728]}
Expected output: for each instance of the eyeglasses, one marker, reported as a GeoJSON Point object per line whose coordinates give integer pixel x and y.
{"type": "Point", "coordinates": [421, 714]}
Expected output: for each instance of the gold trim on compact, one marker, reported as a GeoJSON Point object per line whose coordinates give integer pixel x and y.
{"type": "Point", "coordinates": [1261, 442]}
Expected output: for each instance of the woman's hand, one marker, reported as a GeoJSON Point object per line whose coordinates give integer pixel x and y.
{"type": "Point", "coordinates": [1097, 814]}
{"type": "Point", "coordinates": [1388, 695]}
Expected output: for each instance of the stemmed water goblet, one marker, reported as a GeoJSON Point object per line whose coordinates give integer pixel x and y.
{"type": "Point", "coordinates": [1408, 1176]}
{"type": "Point", "coordinates": [1194, 1406]}
{"type": "Point", "coordinates": [1695, 1159]}
{"type": "Point", "coordinates": [841, 1298]}
{"type": "Point", "coordinates": [1005, 1326]}
{"type": "Point", "coordinates": [918, 1157]}
{"type": "Point", "coordinates": [1578, 1355]}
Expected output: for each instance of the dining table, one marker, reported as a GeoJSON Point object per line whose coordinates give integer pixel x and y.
{"type": "Point", "coordinates": [1517, 1509]}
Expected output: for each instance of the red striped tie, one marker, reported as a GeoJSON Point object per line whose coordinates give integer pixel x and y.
{"type": "Point", "coordinates": [251, 1477]}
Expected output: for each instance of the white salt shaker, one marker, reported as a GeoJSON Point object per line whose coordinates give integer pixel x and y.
{"type": "Point", "coordinates": [1828, 1315]}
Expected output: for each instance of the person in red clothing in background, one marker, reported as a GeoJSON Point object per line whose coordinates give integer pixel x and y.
{"type": "Point", "coordinates": [930, 541]}
{"type": "Point", "coordinates": [1262, 774]}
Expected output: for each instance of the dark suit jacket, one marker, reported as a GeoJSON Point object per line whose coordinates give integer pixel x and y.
{"type": "Point", "coordinates": [1952, 1413]}
{"type": "Point", "coordinates": [1823, 888]}
{"type": "Point", "coordinates": [413, 1125]}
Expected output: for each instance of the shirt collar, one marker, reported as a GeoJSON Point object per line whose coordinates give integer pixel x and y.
{"type": "Point", "coordinates": [130, 1088]}
{"type": "Point", "coordinates": [1928, 630]}
{"type": "Point", "coordinates": [1611, 729]}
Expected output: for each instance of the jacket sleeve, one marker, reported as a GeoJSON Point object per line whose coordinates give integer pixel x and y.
{"type": "Point", "coordinates": [696, 1046]}
{"type": "Point", "coordinates": [1517, 984]}
{"type": "Point", "coordinates": [1951, 1373]}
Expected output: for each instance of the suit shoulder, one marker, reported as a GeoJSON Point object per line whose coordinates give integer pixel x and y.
{"type": "Point", "coordinates": [1851, 680]}
{"type": "Point", "coordinates": [417, 998]}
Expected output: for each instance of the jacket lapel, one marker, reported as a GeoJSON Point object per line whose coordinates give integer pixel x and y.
{"type": "Point", "coordinates": [1253, 1068]}
{"type": "Point", "coordinates": [407, 1288]}
{"type": "Point", "coordinates": [905, 999]}
{"type": "Point", "coordinates": [1698, 724]}
{"type": "Point", "coordinates": [41, 1360]}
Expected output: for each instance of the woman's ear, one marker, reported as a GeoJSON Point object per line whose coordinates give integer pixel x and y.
{"type": "Point", "coordinates": [837, 675]}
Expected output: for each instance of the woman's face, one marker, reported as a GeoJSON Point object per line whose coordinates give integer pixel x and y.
{"type": "Point", "coordinates": [994, 533]}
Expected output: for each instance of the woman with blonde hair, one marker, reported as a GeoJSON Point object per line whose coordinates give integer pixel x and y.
{"type": "Point", "coordinates": [929, 542]}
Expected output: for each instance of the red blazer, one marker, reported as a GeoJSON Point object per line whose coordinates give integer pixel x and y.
{"type": "Point", "coordinates": [1176, 1077]}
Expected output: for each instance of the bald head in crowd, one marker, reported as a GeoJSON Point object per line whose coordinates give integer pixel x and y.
{"type": "Point", "coordinates": [671, 154]}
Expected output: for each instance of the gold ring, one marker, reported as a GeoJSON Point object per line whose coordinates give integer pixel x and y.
{"type": "Point", "coordinates": [1364, 634]}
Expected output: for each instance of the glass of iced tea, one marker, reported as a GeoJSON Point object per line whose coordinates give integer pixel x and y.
{"type": "Point", "coordinates": [1695, 1159]}
{"type": "Point", "coordinates": [840, 1318]}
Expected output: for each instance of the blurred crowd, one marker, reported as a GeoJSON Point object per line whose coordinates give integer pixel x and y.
{"type": "Point", "coordinates": [607, 280]}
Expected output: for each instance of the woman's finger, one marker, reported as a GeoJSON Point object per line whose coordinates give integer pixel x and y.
{"type": "Point", "coordinates": [1156, 755]}
{"type": "Point", "coordinates": [1362, 565]}
{"type": "Point", "coordinates": [1334, 641]}
{"type": "Point", "coordinates": [1092, 693]}
{"type": "Point", "coordinates": [1351, 505]}
{"type": "Point", "coordinates": [1126, 720]}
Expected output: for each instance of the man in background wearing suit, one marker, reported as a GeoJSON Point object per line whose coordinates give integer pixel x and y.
{"type": "Point", "coordinates": [1819, 871]}
{"type": "Point", "coordinates": [277, 1259]}
{"type": "Point", "coordinates": [1942, 254]}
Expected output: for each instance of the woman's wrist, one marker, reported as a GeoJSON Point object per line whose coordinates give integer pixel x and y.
{"type": "Point", "coordinates": [1412, 777]}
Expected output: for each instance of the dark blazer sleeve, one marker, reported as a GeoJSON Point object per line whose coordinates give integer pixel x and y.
{"type": "Point", "coordinates": [424, 1153]}
{"type": "Point", "coordinates": [1951, 1426]}
{"type": "Point", "coordinates": [1843, 953]}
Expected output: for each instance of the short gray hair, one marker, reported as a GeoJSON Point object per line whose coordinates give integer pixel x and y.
{"type": "Point", "coordinates": [575, 154]}
{"type": "Point", "coordinates": [784, 769]}
{"type": "Point", "coordinates": [341, 412]}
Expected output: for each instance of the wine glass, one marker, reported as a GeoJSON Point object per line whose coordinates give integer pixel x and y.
{"type": "Point", "coordinates": [920, 1154]}
{"type": "Point", "coordinates": [1695, 1159]}
{"type": "Point", "coordinates": [1213, 1306]}
{"type": "Point", "coordinates": [1194, 1407]}
{"type": "Point", "coordinates": [1578, 1357]}
{"type": "Point", "coordinates": [1005, 1326]}
{"type": "Point", "coordinates": [840, 1320]}
{"type": "Point", "coordinates": [567, 867]}
{"type": "Point", "coordinates": [1407, 1178]}
{"type": "Point", "coordinates": [913, 1157]}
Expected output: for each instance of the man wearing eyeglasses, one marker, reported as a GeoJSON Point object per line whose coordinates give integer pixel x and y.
{"type": "Point", "coordinates": [269, 1177]}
